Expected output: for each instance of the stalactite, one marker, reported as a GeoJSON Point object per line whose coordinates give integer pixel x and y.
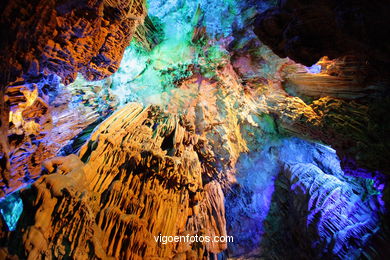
{"type": "Point", "coordinates": [203, 130]}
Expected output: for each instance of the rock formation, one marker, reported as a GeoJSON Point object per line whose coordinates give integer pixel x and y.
{"type": "Point", "coordinates": [320, 214]}
{"type": "Point", "coordinates": [202, 131]}
{"type": "Point", "coordinates": [41, 123]}
{"type": "Point", "coordinates": [68, 37]}
{"type": "Point", "coordinates": [292, 198]}
{"type": "Point", "coordinates": [306, 31]}
{"type": "Point", "coordinates": [353, 33]}
{"type": "Point", "coordinates": [62, 38]}
{"type": "Point", "coordinates": [141, 167]}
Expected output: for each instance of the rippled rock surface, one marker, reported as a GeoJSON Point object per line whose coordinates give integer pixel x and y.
{"type": "Point", "coordinates": [141, 166]}
{"type": "Point", "coordinates": [202, 130]}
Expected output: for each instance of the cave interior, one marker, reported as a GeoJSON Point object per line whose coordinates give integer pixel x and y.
{"type": "Point", "coordinates": [127, 123]}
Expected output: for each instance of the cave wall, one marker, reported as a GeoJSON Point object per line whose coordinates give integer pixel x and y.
{"type": "Point", "coordinates": [62, 38]}
{"type": "Point", "coordinates": [290, 198]}
{"type": "Point", "coordinates": [220, 97]}
{"type": "Point", "coordinates": [305, 31]}
{"type": "Point", "coordinates": [347, 42]}
{"type": "Point", "coordinates": [141, 166]}
{"type": "Point", "coordinates": [66, 37]}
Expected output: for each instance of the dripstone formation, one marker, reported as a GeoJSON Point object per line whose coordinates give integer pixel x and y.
{"type": "Point", "coordinates": [140, 168]}
{"type": "Point", "coordinates": [123, 121]}
{"type": "Point", "coordinates": [57, 37]}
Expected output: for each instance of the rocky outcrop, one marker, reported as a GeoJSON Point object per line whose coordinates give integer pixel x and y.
{"type": "Point", "coordinates": [341, 103]}
{"type": "Point", "coordinates": [296, 200]}
{"type": "Point", "coordinates": [345, 78]}
{"type": "Point", "coordinates": [214, 143]}
{"type": "Point", "coordinates": [353, 128]}
{"type": "Point", "coordinates": [335, 105]}
{"type": "Point", "coordinates": [141, 167]}
{"type": "Point", "coordinates": [42, 120]}
{"type": "Point", "coordinates": [67, 37]}
{"type": "Point", "coordinates": [62, 38]}
{"type": "Point", "coordinates": [318, 205]}
{"type": "Point", "coordinates": [305, 31]}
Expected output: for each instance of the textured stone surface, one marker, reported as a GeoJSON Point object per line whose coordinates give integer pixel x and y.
{"type": "Point", "coordinates": [68, 36]}
{"type": "Point", "coordinates": [352, 128]}
{"type": "Point", "coordinates": [297, 198]}
{"type": "Point", "coordinates": [345, 78]}
{"type": "Point", "coordinates": [209, 153]}
{"type": "Point", "coordinates": [305, 31]}
{"type": "Point", "coordinates": [41, 122]}
{"type": "Point", "coordinates": [321, 214]}
{"type": "Point", "coordinates": [141, 167]}
{"type": "Point", "coordinates": [62, 38]}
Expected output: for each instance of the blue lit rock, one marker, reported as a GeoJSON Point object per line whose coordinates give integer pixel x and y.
{"type": "Point", "coordinates": [11, 208]}
{"type": "Point", "coordinates": [207, 148]}
{"type": "Point", "coordinates": [296, 197]}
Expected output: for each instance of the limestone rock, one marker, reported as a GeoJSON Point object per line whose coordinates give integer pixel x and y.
{"type": "Point", "coordinates": [306, 31]}
{"type": "Point", "coordinates": [316, 204]}
{"type": "Point", "coordinates": [345, 77]}
{"type": "Point", "coordinates": [62, 38]}
{"type": "Point", "coordinates": [69, 37]}
{"type": "Point", "coordinates": [141, 166]}
{"type": "Point", "coordinates": [41, 122]}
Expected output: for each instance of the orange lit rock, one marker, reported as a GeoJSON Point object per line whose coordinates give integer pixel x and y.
{"type": "Point", "coordinates": [62, 38]}
{"type": "Point", "coordinates": [140, 167]}
{"type": "Point", "coordinates": [37, 130]}
{"type": "Point", "coordinates": [68, 37]}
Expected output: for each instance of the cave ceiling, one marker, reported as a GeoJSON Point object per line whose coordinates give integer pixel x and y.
{"type": "Point", "coordinates": [124, 123]}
